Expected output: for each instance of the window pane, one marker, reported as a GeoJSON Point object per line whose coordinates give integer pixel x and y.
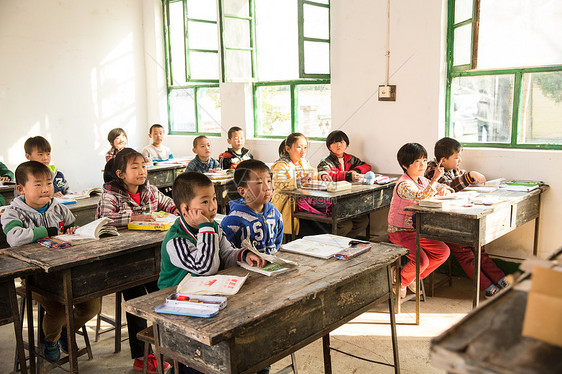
{"type": "Point", "coordinates": [463, 45]}
{"type": "Point", "coordinates": [204, 65]}
{"type": "Point", "coordinates": [463, 10]}
{"type": "Point", "coordinates": [237, 33]}
{"type": "Point", "coordinates": [202, 35]}
{"type": "Point", "coordinates": [314, 117]}
{"type": "Point", "coordinates": [316, 58]}
{"type": "Point", "coordinates": [481, 108]}
{"type": "Point", "coordinates": [177, 43]}
{"type": "Point", "coordinates": [182, 110]}
{"type": "Point", "coordinates": [209, 109]}
{"type": "Point", "coordinates": [274, 110]}
{"type": "Point", "coordinates": [316, 22]}
{"type": "Point", "coordinates": [238, 8]}
{"type": "Point", "coordinates": [516, 33]}
{"type": "Point", "coordinates": [238, 65]}
{"type": "Point", "coordinates": [542, 108]}
{"type": "Point", "coordinates": [202, 9]}
{"type": "Point", "coordinates": [277, 52]}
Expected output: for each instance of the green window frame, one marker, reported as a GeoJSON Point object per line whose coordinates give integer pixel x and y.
{"type": "Point", "coordinates": [518, 75]}
{"type": "Point", "coordinates": [294, 105]}
{"type": "Point", "coordinates": [303, 38]}
{"type": "Point", "coordinates": [195, 84]}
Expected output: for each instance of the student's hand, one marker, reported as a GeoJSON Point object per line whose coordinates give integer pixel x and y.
{"type": "Point", "coordinates": [478, 178]}
{"type": "Point", "coordinates": [196, 216]}
{"type": "Point", "coordinates": [5, 179]}
{"type": "Point", "coordinates": [143, 218]}
{"type": "Point", "coordinates": [176, 211]}
{"type": "Point", "coordinates": [254, 260]}
{"type": "Point", "coordinates": [439, 171]}
{"type": "Point", "coordinates": [71, 230]}
{"type": "Point", "coordinates": [307, 178]}
{"type": "Point", "coordinates": [445, 191]}
{"type": "Point", "coordinates": [57, 194]}
{"type": "Point", "coordinates": [355, 176]}
{"type": "Point", "coordinates": [326, 177]}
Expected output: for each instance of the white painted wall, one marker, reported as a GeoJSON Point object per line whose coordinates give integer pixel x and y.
{"type": "Point", "coordinates": [71, 71]}
{"type": "Point", "coordinates": [91, 66]}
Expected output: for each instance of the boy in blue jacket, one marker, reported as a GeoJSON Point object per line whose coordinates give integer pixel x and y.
{"type": "Point", "coordinates": [253, 217]}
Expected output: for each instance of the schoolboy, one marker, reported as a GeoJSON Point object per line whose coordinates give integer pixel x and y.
{"type": "Point", "coordinates": [33, 215]}
{"type": "Point", "coordinates": [6, 174]}
{"type": "Point", "coordinates": [448, 152]}
{"type": "Point", "coordinates": [39, 149]}
{"type": "Point", "coordinates": [253, 217]}
{"type": "Point", "coordinates": [203, 162]}
{"type": "Point", "coordinates": [157, 151]}
{"type": "Point", "coordinates": [236, 153]}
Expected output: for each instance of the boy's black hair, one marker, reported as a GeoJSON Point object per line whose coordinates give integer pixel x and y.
{"type": "Point", "coordinates": [445, 147]}
{"type": "Point", "coordinates": [288, 142]}
{"type": "Point", "coordinates": [120, 162]}
{"type": "Point", "coordinates": [335, 137]}
{"type": "Point", "coordinates": [409, 153]}
{"type": "Point", "coordinates": [245, 169]}
{"type": "Point", "coordinates": [36, 142]}
{"type": "Point", "coordinates": [155, 125]}
{"type": "Point", "coordinates": [34, 168]}
{"type": "Point", "coordinates": [113, 134]}
{"type": "Point", "coordinates": [183, 189]}
{"type": "Point", "coordinates": [232, 130]}
{"type": "Point", "coordinates": [196, 140]}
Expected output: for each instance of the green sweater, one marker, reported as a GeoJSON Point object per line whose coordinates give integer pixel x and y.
{"type": "Point", "coordinates": [5, 172]}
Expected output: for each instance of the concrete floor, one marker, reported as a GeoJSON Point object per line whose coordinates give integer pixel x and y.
{"type": "Point", "coordinates": [362, 337]}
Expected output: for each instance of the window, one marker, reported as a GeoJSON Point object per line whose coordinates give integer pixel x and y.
{"type": "Point", "coordinates": [292, 89]}
{"type": "Point", "coordinates": [505, 73]}
{"type": "Point", "coordinates": [192, 56]}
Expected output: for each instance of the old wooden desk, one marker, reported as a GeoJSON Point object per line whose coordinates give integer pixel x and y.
{"type": "Point", "coordinates": [477, 226]}
{"type": "Point", "coordinates": [226, 191]}
{"type": "Point", "coordinates": [91, 269]}
{"type": "Point", "coordinates": [489, 340]}
{"type": "Point", "coordinates": [11, 268]}
{"type": "Point", "coordinates": [8, 193]}
{"type": "Point", "coordinates": [163, 175]}
{"type": "Point", "coordinates": [271, 317]}
{"type": "Point", "coordinates": [362, 199]}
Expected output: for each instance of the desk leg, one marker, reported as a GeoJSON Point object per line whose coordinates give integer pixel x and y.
{"type": "Point", "coordinates": [418, 282]}
{"type": "Point", "coordinates": [477, 261]}
{"type": "Point", "coordinates": [118, 313]}
{"type": "Point", "coordinates": [30, 335]}
{"type": "Point", "coordinates": [392, 322]}
{"type": "Point", "coordinates": [17, 326]}
{"type": "Point", "coordinates": [69, 309]}
{"type": "Point", "coordinates": [327, 354]}
{"type": "Point", "coordinates": [536, 236]}
{"type": "Point", "coordinates": [157, 350]}
{"type": "Point", "coordinates": [293, 207]}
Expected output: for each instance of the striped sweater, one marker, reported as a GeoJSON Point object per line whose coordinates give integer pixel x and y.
{"type": "Point", "coordinates": [201, 251]}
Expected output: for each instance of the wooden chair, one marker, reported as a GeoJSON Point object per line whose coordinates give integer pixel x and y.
{"type": "Point", "coordinates": [116, 321]}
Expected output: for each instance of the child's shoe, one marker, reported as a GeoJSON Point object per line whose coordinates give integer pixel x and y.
{"type": "Point", "coordinates": [63, 343]}
{"type": "Point", "coordinates": [403, 288]}
{"type": "Point", "coordinates": [152, 365]}
{"type": "Point", "coordinates": [492, 290]}
{"type": "Point", "coordinates": [412, 286]}
{"type": "Point", "coordinates": [505, 282]}
{"type": "Point", "coordinates": [51, 351]}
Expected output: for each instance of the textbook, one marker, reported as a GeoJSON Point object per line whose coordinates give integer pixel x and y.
{"type": "Point", "coordinates": [92, 230]}
{"type": "Point", "coordinates": [210, 285]}
{"type": "Point", "coordinates": [65, 200]}
{"type": "Point", "coordinates": [520, 185]}
{"type": "Point", "coordinates": [322, 246]}
{"type": "Point", "coordinates": [274, 266]}
{"type": "Point", "coordinates": [219, 175]}
{"type": "Point", "coordinates": [162, 222]}
{"type": "Point", "coordinates": [84, 194]}
{"type": "Point", "coordinates": [192, 305]}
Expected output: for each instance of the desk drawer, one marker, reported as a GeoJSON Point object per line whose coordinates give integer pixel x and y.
{"type": "Point", "coordinates": [163, 178]}
{"type": "Point", "coordinates": [354, 205]}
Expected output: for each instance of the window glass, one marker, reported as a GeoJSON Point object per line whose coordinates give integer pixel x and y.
{"type": "Point", "coordinates": [182, 110]}
{"type": "Point", "coordinates": [314, 110]}
{"type": "Point", "coordinates": [274, 110]}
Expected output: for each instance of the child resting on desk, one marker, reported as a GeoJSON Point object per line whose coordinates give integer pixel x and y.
{"type": "Point", "coordinates": [410, 189]}
{"type": "Point", "coordinates": [125, 198]}
{"type": "Point", "coordinates": [157, 151]}
{"type": "Point", "coordinates": [195, 243]}
{"type": "Point", "coordinates": [35, 215]}
{"type": "Point", "coordinates": [203, 162]}
{"type": "Point", "coordinates": [448, 153]}
{"type": "Point", "coordinates": [39, 149]}
{"type": "Point", "coordinates": [289, 172]}
{"type": "Point", "coordinates": [117, 138]}
{"type": "Point", "coordinates": [253, 217]}
{"type": "Point", "coordinates": [236, 153]}
{"type": "Point", "coordinates": [341, 166]}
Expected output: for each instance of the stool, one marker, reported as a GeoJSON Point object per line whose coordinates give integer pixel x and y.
{"type": "Point", "coordinates": [147, 336]}
{"type": "Point", "coordinates": [111, 321]}
{"type": "Point", "coordinates": [449, 278]}
{"type": "Point", "coordinates": [40, 313]}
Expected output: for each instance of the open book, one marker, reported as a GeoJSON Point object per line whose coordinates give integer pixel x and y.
{"type": "Point", "coordinates": [92, 230]}
{"type": "Point", "coordinates": [84, 194]}
{"type": "Point", "coordinates": [210, 285]}
{"type": "Point", "coordinates": [162, 222]}
{"type": "Point", "coordinates": [275, 265]}
{"type": "Point", "coordinates": [322, 246]}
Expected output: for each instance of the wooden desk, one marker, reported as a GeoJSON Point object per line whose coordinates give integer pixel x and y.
{"type": "Point", "coordinates": [91, 269]}
{"type": "Point", "coordinates": [11, 268]}
{"type": "Point", "coordinates": [164, 175]}
{"type": "Point", "coordinates": [477, 226]}
{"type": "Point", "coordinates": [362, 199]}
{"type": "Point", "coordinates": [271, 317]}
{"type": "Point", "coordinates": [8, 193]}
{"type": "Point", "coordinates": [226, 191]}
{"type": "Point", "coordinates": [489, 340]}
